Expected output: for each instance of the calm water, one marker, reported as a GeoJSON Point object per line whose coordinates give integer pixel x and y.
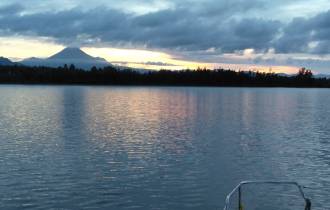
{"type": "Point", "coordinates": [160, 148]}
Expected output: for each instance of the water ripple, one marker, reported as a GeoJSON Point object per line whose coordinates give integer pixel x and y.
{"type": "Point", "coordinates": [160, 148]}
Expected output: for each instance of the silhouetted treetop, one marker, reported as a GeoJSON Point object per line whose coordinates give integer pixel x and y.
{"type": "Point", "coordinates": [113, 76]}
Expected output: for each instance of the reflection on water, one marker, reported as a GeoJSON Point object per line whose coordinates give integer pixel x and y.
{"type": "Point", "coordinates": [159, 148]}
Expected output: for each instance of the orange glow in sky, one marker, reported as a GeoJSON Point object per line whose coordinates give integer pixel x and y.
{"type": "Point", "coordinates": [18, 48]}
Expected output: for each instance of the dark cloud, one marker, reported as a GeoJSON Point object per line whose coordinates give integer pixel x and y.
{"type": "Point", "coordinates": [11, 9]}
{"type": "Point", "coordinates": [220, 8]}
{"type": "Point", "coordinates": [306, 35]}
{"type": "Point", "coordinates": [187, 26]}
{"type": "Point", "coordinates": [159, 63]}
{"type": "Point", "coordinates": [173, 28]}
{"type": "Point", "coordinates": [259, 31]}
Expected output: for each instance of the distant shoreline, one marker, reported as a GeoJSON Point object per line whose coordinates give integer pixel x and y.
{"type": "Point", "coordinates": [155, 86]}
{"type": "Point", "coordinates": [112, 76]}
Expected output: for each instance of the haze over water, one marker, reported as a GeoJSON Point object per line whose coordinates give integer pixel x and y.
{"type": "Point", "coordinates": [119, 148]}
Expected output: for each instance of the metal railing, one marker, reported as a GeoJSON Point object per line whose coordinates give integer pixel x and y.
{"type": "Point", "coordinates": [238, 188]}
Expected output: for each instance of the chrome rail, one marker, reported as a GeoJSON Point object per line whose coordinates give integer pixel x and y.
{"type": "Point", "coordinates": [238, 188]}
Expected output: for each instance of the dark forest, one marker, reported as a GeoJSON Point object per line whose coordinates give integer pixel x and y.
{"type": "Point", "coordinates": [114, 76]}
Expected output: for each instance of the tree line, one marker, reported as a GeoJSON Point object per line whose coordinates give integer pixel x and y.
{"type": "Point", "coordinates": [114, 76]}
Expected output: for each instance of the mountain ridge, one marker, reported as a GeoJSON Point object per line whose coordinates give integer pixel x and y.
{"type": "Point", "coordinates": [6, 62]}
{"type": "Point", "coordinates": [68, 56]}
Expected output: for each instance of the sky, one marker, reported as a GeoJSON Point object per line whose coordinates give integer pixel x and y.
{"type": "Point", "coordinates": [264, 35]}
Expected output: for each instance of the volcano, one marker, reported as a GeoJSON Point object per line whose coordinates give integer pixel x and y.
{"type": "Point", "coordinates": [68, 56]}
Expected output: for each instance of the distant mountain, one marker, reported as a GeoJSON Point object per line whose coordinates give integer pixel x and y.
{"type": "Point", "coordinates": [69, 56]}
{"type": "Point", "coordinates": [319, 76]}
{"type": "Point", "coordinates": [6, 62]}
{"type": "Point", "coordinates": [285, 75]}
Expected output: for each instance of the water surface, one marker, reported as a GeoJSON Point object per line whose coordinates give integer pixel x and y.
{"type": "Point", "coordinates": [71, 147]}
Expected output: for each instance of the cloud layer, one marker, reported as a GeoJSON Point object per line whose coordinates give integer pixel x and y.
{"type": "Point", "coordinates": [172, 28]}
{"type": "Point", "coordinates": [211, 27]}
